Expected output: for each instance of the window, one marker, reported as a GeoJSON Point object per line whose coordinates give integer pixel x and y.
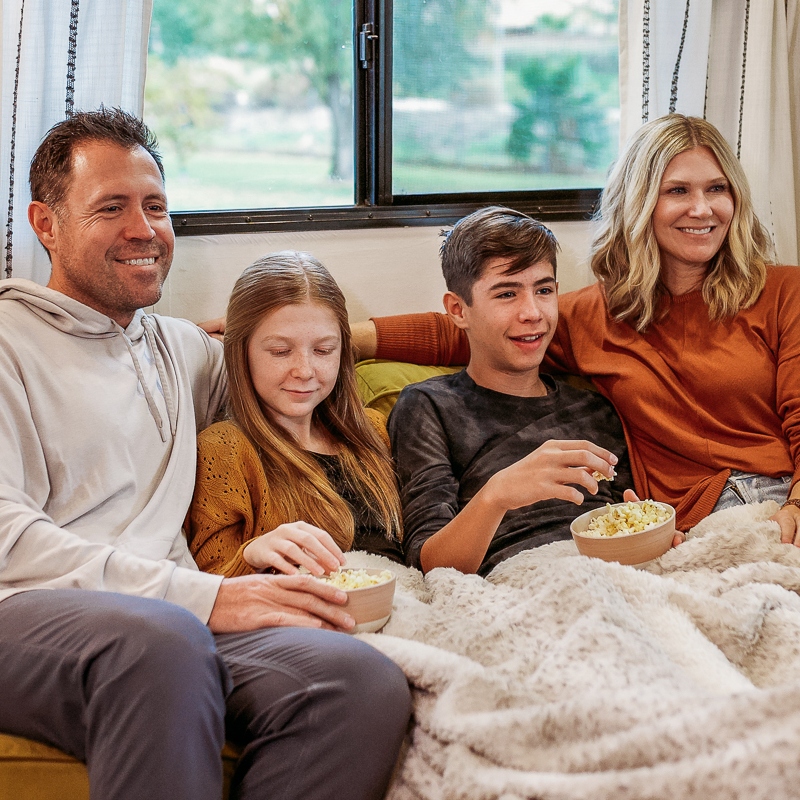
{"type": "Point", "coordinates": [277, 113]}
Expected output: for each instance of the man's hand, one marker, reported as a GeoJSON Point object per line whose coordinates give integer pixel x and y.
{"type": "Point", "coordinates": [295, 544]}
{"type": "Point", "coordinates": [788, 518]}
{"type": "Point", "coordinates": [215, 328]}
{"type": "Point", "coordinates": [551, 471]}
{"type": "Point", "coordinates": [252, 602]}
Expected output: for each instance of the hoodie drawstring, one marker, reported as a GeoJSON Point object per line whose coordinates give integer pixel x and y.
{"type": "Point", "coordinates": [151, 403]}
{"type": "Point", "coordinates": [172, 412]}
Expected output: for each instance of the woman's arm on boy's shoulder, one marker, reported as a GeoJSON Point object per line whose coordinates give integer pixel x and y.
{"type": "Point", "coordinates": [429, 338]}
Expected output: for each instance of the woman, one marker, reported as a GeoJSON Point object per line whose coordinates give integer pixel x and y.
{"type": "Point", "coordinates": [689, 332]}
{"type": "Point", "coordinates": [300, 472]}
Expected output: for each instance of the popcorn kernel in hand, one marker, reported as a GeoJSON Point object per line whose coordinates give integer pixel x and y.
{"type": "Point", "coordinates": [598, 476]}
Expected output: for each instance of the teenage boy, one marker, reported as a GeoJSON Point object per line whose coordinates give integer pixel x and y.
{"type": "Point", "coordinates": [492, 460]}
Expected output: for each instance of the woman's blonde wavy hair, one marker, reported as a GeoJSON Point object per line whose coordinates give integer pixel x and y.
{"type": "Point", "coordinates": [298, 486]}
{"type": "Point", "coordinates": [625, 255]}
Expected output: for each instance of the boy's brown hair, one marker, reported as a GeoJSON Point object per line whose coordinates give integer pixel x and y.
{"type": "Point", "coordinates": [493, 232]}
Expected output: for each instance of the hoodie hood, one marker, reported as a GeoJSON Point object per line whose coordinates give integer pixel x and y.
{"type": "Point", "coordinates": [58, 310]}
{"type": "Point", "coordinates": [76, 319]}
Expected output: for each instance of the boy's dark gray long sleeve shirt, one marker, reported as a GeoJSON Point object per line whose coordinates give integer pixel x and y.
{"type": "Point", "coordinates": [449, 436]}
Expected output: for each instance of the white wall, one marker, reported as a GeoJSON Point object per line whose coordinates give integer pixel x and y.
{"type": "Point", "coordinates": [383, 271]}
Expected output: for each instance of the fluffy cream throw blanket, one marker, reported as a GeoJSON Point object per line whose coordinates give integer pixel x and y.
{"type": "Point", "coordinates": [562, 676]}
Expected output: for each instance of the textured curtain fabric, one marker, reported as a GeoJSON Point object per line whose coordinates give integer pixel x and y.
{"type": "Point", "coordinates": [736, 63]}
{"type": "Point", "coordinates": [59, 56]}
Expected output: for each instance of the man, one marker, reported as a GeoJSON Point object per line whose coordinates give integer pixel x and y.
{"type": "Point", "coordinates": [104, 651]}
{"type": "Point", "coordinates": [492, 460]}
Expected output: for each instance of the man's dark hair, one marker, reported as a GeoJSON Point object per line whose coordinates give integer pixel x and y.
{"type": "Point", "coordinates": [493, 232]}
{"type": "Point", "coordinates": [52, 162]}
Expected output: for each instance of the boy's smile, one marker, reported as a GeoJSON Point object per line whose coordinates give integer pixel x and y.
{"type": "Point", "coordinates": [509, 323]}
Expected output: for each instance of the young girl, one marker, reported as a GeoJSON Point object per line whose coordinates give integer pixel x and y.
{"type": "Point", "coordinates": [300, 472]}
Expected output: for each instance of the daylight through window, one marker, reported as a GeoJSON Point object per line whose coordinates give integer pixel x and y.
{"type": "Point", "coordinates": [253, 100]}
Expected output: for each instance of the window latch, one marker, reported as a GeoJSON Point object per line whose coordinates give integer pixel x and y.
{"type": "Point", "coordinates": [366, 44]}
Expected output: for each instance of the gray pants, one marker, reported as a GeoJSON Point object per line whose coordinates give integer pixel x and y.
{"type": "Point", "coordinates": [145, 695]}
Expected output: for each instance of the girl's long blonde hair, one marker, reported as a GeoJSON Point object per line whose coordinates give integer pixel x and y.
{"type": "Point", "coordinates": [298, 486]}
{"type": "Point", "coordinates": [625, 255]}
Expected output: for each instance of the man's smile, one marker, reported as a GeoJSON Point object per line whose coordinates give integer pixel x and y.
{"type": "Point", "coordinates": [138, 262]}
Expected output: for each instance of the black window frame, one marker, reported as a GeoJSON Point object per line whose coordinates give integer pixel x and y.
{"type": "Point", "coordinates": [375, 206]}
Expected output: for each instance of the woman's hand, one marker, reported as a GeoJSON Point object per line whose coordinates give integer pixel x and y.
{"type": "Point", "coordinates": [788, 518]}
{"type": "Point", "coordinates": [293, 545]}
{"type": "Point", "coordinates": [215, 328]}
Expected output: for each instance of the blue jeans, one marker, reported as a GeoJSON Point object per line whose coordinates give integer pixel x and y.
{"type": "Point", "coordinates": [748, 487]}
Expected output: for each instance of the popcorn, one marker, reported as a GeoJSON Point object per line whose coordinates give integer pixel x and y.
{"type": "Point", "coordinates": [356, 578]}
{"type": "Point", "coordinates": [598, 476]}
{"type": "Point", "coordinates": [627, 518]}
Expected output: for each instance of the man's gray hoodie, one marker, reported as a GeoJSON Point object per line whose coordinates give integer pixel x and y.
{"type": "Point", "coordinates": [98, 430]}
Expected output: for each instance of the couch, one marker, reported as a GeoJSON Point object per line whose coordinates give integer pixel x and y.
{"type": "Point", "coordinates": [34, 771]}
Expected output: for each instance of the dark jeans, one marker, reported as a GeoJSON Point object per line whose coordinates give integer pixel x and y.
{"type": "Point", "coordinates": [145, 695]}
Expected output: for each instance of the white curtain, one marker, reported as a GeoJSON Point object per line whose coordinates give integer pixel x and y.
{"type": "Point", "coordinates": [736, 63]}
{"type": "Point", "coordinates": [59, 56]}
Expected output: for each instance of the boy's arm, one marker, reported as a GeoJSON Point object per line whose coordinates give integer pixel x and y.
{"type": "Point", "coordinates": [437, 533]}
{"type": "Point", "coordinates": [549, 472]}
{"type": "Point", "coordinates": [428, 487]}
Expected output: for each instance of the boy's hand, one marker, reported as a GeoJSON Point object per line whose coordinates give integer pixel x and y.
{"type": "Point", "coordinates": [551, 471]}
{"type": "Point", "coordinates": [629, 496]}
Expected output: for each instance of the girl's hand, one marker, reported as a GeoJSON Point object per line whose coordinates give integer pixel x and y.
{"type": "Point", "coordinates": [293, 545]}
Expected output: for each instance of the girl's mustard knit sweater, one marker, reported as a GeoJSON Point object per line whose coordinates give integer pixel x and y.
{"type": "Point", "coordinates": [231, 504]}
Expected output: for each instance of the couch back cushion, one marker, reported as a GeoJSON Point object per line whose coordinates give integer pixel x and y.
{"type": "Point", "coordinates": [380, 382]}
